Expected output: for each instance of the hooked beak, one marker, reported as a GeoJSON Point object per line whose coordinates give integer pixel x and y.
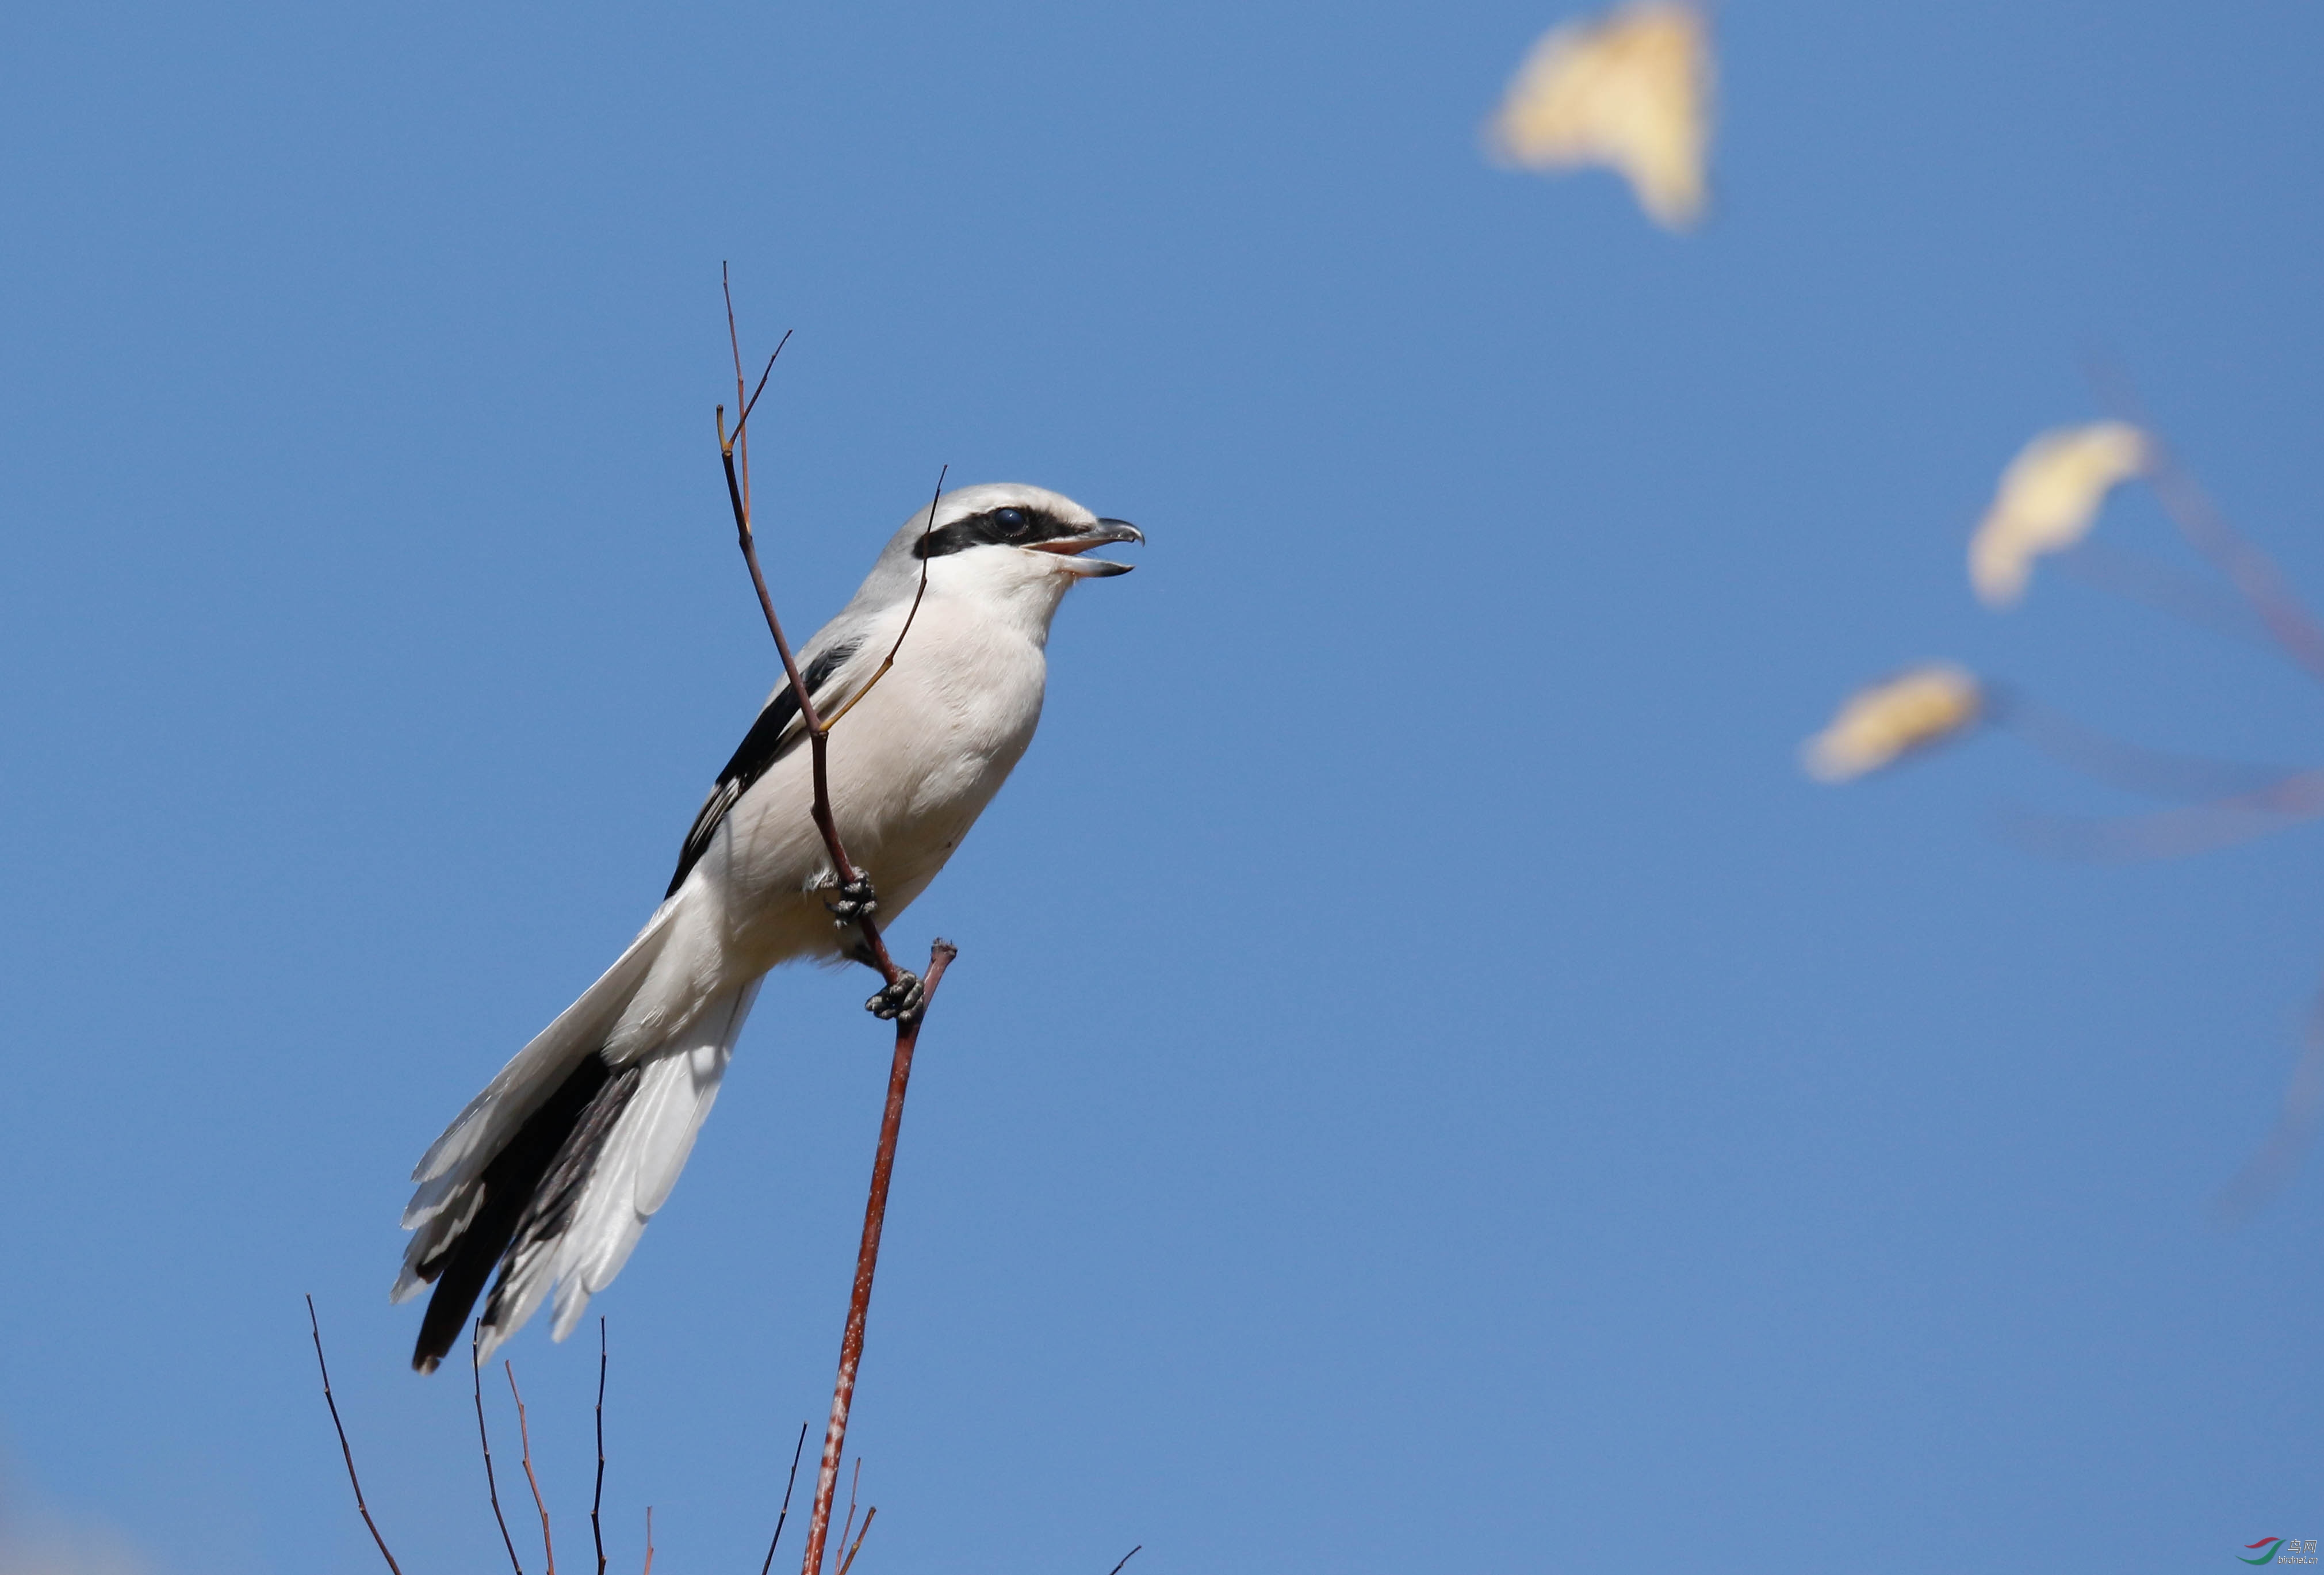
{"type": "Point", "coordinates": [1098, 535]}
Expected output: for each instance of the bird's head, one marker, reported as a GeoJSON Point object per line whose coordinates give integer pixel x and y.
{"type": "Point", "coordinates": [1003, 539]}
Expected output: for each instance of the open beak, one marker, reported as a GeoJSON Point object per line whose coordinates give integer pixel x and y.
{"type": "Point", "coordinates": [1098, 535]}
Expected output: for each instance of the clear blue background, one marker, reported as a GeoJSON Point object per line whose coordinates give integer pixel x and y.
{"type": "Point", "coordinates": [1427, 1081]}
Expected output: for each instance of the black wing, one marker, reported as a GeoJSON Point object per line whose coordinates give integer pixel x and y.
{"type": "Point", "coordinates": [760, 748]}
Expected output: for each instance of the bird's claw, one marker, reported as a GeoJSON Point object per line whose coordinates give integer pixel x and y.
{"type": "Point", "coordinates": [901, 1000]}
{"type": "Point", "coordinates": [856, 902]}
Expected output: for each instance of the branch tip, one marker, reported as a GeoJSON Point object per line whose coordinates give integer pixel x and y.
{"type": "Point", "coordinates": [476, 1384]}
{"type": "Point", "coordinates": [316, 1327]}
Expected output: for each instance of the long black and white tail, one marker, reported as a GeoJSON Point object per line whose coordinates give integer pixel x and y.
{"type": "Point", "coordinates": [551, 1173]}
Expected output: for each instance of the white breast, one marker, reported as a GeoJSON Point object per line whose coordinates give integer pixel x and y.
{"type": "Point", "coordinates": [911, 767]}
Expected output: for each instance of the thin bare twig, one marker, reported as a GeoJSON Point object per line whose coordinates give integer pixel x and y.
{"type": "Point", "coordinates": [476, 1382]}
{"type": "Point", "coordinates": [853, 1483]}
{"type": "Point", "coordinates": [735, 341]}
{"type": "Point", "coordinates": [2247, 568]}
{"type": "Point", "coordinates": [598, 1495]}
{"type": "Point", "coordinates": [2176, 833]}
{"type": "Point", "coordinates": [819, 736]}
{"type": "Point", "coordinates": [2182, 593]}
{"type": "Point", "coordinates": [889, 660]}
{"type": "Point", "coordinates": [2133, 768]}
{"type": "Point", "coordinates": [845, 1563]}
{"type": "Point", "coordinates": [524, 1435]}
{"type": "Point", "coordinates": [649, 1568]}
{"type": "Point", "coordinates": [796, 1450]}
{"type": "Point", "coordinates": [1125, 1559]}
{"type": "Point", "coordinates": [347, 1454]}
{"type": "Point", "coordinates": [2265, 1172]}
{"type": "Point", "coordinates": [2207, 530]}
{"type": "Point", "coordinates": [867, 1259]}
{"type": "Point", "coordinates": [733, 451]}
{"type": "Point", "coordinates": [743, 443]}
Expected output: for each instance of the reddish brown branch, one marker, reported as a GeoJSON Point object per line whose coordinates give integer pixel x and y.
{"type": "Point", "coordinates": [345, 1453]}
{"type": "Point", "coordinates": [525, 1436]}
{"type": "Point", "coordinates": [649, 1568]}
{"type": "Point", "coordinates": [867, 1260]}
{"type": "Point", "coordinates": [477, 1383]}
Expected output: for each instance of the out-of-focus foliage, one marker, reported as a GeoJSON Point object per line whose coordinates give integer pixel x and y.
{"type": "Point", "coordinates": [34, 1541]}
{"type": "Point", "coordinates": [2049, 497]}
{"type": "Point", "coordinates": [1630, 90]}
{"type": "Point", "coordinates": [2048, 500]}
{"type": "Point", "coordinates": [1881, 724]}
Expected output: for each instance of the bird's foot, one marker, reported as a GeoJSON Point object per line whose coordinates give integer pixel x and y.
{"type": "Point", "coordinates": [856, 902]}
{"type": "Point", "coordinates": [900, 1001]}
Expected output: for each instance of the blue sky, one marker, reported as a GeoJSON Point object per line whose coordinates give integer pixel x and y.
{"type": "Point", "coordinates": [1426, 1079]}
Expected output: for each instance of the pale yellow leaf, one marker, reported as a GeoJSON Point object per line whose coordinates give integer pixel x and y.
{"type": "Point", "coordinates": [2048, 499]}
{"type": "Point", "coordinates": [1882, 724]}
{"type": "Point", "coordinates": [1630, 90]}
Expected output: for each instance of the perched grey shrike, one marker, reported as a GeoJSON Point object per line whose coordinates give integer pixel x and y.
{"type": "Point", "coordinates": [552, 1172]}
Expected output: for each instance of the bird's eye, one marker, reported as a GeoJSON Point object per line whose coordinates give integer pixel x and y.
{"type": "Point", "coordinates": [1008, 522]}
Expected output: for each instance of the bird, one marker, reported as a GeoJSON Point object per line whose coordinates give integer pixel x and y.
{"type": "Point", "coordinates": [551, 1173]}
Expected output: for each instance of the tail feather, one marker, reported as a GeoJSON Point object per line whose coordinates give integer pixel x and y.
{"type": "Point", "coordinates": [504, 1197]}
{"type": "Point", "coordinates": [531, 1250]}
{"type": "Point", "coordinates": [564, 1198]}
{"type": "Point", "coordinates": [643, 1157]}
{"type": "Point", "coordinates": [451, 1173]}
{"type": "Point", "coordinates": [481, 1130]}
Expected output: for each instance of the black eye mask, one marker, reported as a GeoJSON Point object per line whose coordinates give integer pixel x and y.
{"type": "Point", "coordinates": [1012, 526]}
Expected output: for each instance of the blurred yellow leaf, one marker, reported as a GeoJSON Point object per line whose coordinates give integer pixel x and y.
{"type": "Point", "coordinates": [2049, 497]}
{"type": "Point", "coordinates": [1880, 724]}
{"type": "Point", "coordinates": [1630, 90]}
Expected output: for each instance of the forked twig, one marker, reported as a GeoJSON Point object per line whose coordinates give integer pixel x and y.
{"type": "Point", "coordinates": [2247, 568]}
{"type": "Point", "coordinates": [2269, 807]}
{"type": "Point", "coordinates": [734, 451]}
{"type": "Point", "coordinates": [734, 456]}
{"type": "Point", "coordinates": [2235, 556]}
{"type": "Point", "coordinates": [598, 1495]}
{"type": "Point", "coordinates": [850, 1560]}
{"type": "Point", "coordinates": [524, 1435]}
{"type": "Point", "coordinates": [347, 1454]}
{"type": "Point", "coordinates": [476, 1382]}
{"type": "Point", "coordinates": [796, 1450]}
{"type": "Point", "coordinates": [853, 1483]}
